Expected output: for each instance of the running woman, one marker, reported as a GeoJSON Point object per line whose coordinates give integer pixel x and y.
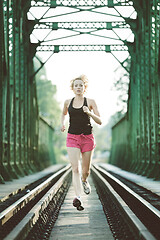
{"type": "Point", "coordinates": [80, 139]}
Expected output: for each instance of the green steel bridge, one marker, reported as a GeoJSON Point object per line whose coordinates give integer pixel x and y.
{"type": "Point", "coordinates": [26, 138]}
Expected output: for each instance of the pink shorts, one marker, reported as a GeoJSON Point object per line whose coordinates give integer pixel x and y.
{"type": "Point", "coordinates": [86, 143]}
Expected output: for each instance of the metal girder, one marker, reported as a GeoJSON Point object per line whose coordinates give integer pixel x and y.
{"type": "Point", "coordinates": [81, 3]}
{"type": "Point", "coordinates": [18, 104]}
{"type": "Point", "coordinates": [64, 48]}
{"type": "Point", "coordinates": [81, 25]}
{"type": "Point", "coordinates": [18, 138]}
{"type": "Point", "coordinates": [80, 28]}
{"type": "Point", "coordinates": [142, 145]}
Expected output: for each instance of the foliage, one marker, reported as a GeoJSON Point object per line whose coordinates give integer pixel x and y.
{"type": "Point", "coordinates": [46, 93]}
{"type": "Point", "coordinates": [121, 85]}
{"type": "Point", "coordinates": [116, 118]}
{"type": "Point", "coordinates": [103, 136]}
{"type": "Point", "coordinates": [49, 108]}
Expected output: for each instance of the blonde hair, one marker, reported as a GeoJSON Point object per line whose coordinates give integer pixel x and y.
{"type": "Point", "coordinates": [83, 78]}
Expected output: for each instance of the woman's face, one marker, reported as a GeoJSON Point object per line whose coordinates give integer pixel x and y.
{"type": "Point", "coordinates": [78, 87]}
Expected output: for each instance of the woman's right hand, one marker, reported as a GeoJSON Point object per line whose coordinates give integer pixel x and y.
{"type": "Point", "coordinates": [63, 128]}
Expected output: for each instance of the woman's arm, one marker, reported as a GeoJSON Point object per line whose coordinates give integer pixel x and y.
{"type": "Point", "coordinates": [95, 114]}
{"type": "Point", "coordinates": [64, 113]}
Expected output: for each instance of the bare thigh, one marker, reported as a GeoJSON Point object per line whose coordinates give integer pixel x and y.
{"type": "Point", "coordinates": [74, 157]}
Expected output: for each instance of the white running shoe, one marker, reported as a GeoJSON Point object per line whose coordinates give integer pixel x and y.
{"type": "Point", "coordinates": [86, 187]}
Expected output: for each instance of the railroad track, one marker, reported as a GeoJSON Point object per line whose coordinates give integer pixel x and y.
{"type": "Point", "coordinates": [18, 219]}
{"type": "Point", "coordinates": [139, 214]}
{"type": "Point", "coordinates": [33, 215]}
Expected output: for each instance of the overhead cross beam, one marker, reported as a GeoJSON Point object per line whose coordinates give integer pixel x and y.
{"type": "Point", "coordinates": [93, 28]}
{"type": "Point", "coordinates": [81, 25]}
{"type": "Point", "coordinates": [64, 48]}
{"type": "Point", "coordinates": [79, 28]}
{"type": "Point", "coordinates": [81, 3]}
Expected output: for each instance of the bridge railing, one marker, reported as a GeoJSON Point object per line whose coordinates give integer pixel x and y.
{"type": "Point", "coordinates": [23, 149]}
{"type": "Point", "coordinates": [46, 155]}
{"type": "Point", "coordinates": [120, 144]}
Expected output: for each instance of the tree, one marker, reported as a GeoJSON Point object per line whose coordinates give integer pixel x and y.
{"type": "Point", "coordinates": [121, 85]}
{"type": "Point", "coordinates": [103, 136]}
{"type": "Point", "coordinates": [49, 108]}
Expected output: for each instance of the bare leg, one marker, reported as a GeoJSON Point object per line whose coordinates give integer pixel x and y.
{"type": "Point", "coordinates": [74, 156]}
{"type": "Point", "coordinates": [86, 162]}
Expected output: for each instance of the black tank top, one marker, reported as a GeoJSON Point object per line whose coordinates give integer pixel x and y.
{"type": "Point", "coordinates": [79, 121]}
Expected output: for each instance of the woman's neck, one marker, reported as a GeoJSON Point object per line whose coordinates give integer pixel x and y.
{"type": "Point", "coordinates": [79, 97]}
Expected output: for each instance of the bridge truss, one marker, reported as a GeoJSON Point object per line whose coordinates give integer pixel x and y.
{"type": "Point", "coordinates": [74, 29]}
{"type": "Point", "coordinates": [31, 27]}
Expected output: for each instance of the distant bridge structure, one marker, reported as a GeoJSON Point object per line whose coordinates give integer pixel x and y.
{"type": "Point", "coordinates": [136, 137]}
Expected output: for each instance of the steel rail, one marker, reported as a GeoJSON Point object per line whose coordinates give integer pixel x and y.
{"type": "Point", "coordinates": [139, 228]}
{"type": "Point", "coordinates": [9, 212]}
{"type": "Point", "coordinates": [151, 208]}
{"type": "Point", "coordinates": [23, 228]}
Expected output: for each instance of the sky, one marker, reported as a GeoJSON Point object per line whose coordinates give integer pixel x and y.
{"type": "Point", "coordinates": [99, 67]}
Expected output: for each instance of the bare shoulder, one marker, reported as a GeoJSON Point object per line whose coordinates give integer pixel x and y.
{"type": "Point", "coordinates": [66, 105]}
{"type": "Point", "coordinates": [67, 102]}
{"type": "Point", "coordinates": [91, 103]}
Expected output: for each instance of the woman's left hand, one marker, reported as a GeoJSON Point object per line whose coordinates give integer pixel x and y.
{"type": "Point", "coordinates": [86, 110]}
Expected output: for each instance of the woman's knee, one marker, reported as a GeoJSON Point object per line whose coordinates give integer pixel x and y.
{"type": "Point", "coordinates": [75, 169]}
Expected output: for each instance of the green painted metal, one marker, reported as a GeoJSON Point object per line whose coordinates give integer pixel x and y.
{"type": "Point", "coordinates": [66, 48]}
{"type": "Point", "coordinates": [144, 96]}
{"type": "Point", "coordinates": [81, 3]}
{"type": "Point", "coordinates": [120, 145]}
{"type": "Point", "coordinates": [26, 140]}
{"type": "Point", "coordinates": [2, 66]}
{"type": "Point", "coordinates": [19, 117]}
{"type": "Point", "coordinates": [78, 28]}
{"type": "Point", "coordinates": [81, 25]}
{"type": "Point", "coordinates": [46, 154]}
